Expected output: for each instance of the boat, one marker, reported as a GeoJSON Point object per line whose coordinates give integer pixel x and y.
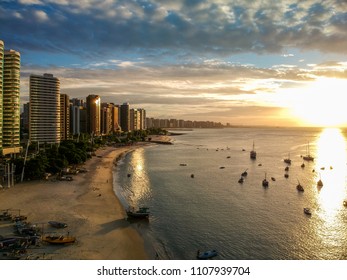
{"type": "Point", "coordinates": [300, 188]}
{"type": "Point", "coordinates": [58, 239]}
{"type": "Point", "coordinates": [265, 182]}
{"type": "Point", "coordinates": [288, 160]}
{"type": "Point", "coordinates": [308, 157]}
{"type": "Point", "coordinates": [253, 153]}
{"type": "Point", "coordinates": [206, 255]}
{"type": "Point", "coordinates": [141, 213]}
{"type": "Point", "coordinates": [57, 224]}
{"type": "Point", "coordinates": [307, 211]}
{"type": "Point", "coordinates": [319, 183]}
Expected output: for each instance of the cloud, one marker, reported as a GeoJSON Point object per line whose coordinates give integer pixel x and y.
{"type": "Point", "coordinates": [41, 16]}
{"type": "Point", "coordinates": [193, 27]}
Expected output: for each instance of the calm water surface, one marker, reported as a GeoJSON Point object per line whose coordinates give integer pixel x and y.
{"type": "Point", "coordinates": [241, 221]}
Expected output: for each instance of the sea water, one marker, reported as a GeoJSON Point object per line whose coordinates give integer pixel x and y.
{"type": "Point", "coordinates": [197, 203]}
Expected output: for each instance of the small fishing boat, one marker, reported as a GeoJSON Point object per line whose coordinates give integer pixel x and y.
{"type": "Point", "coordinates": [265, 182]}
{"type": "Point", "coordinates": [141, 213]}
{"type": "Point", "coordinates": [319, 183]}
{"type": "Point", "coordinates": [253, 153]}
{"type": "Point", "coordinates": [58, 239]}
{"type": "Point", "coordinates": [206, 255]}
{"type": "Point", "coordinates": [57, 224]}
{"type": "Point", "coordinates": [300, 188]}
{"type": "Point", "coordinates": [288, 160]}
{"type": "Point", "coordinates": [307, 211]}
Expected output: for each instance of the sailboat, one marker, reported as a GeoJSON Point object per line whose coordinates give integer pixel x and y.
{"type": "Point", "coordinates": [265, 182]}
{"type": "Point", "coordinates": [288, 160]}
{"type": "Point", "coordinates": [253, 153]}
{"type": "Point", "coordinates": [308, 157]}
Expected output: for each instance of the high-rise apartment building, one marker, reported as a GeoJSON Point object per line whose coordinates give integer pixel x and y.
{"type": "Point", "coordinates": [93, 114]}
{"type": "Point", "coordinates": [1, 87]}
{"type": "Point", "coordinates": [64, 117]}
{"type": "Point", "coordinates": [125, 117]}
{"type": "Point", "coordinates": [44, 109]}
{"type": "Point", "coordinates": [106, 118]}
{"type": "Point", "coordinates": [9, 101]}
{"type": "Point", "coordinates": [115, 118]}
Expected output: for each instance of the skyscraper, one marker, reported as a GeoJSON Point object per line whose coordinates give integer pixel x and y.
{"type": "Point", "coordinates": [11, 109]}
{"type": "Point", "coordinates": [9, 101]}
{"type": "Point", "coordinates": [93, 114]}
{"type": "Point", "coordinates": [125, 117]}
{"type": "Point", "coordinates": [1, 87]}
{"type": "Point", "coordinates": [64, 117]}
{"type": "Point", "coordinates": [44, 109]}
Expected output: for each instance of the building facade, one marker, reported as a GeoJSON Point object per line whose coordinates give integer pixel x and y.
{"type": "Point", "coordinates": [44, 113]}
{"type": "Point", "coordinates": [93, 114]}
{"type": "Point", "coordinates": [64, 117]}
{"type": "Point", "coordinates": [125, 117]}
{"type": "Point", "coordinates": [1, 88]}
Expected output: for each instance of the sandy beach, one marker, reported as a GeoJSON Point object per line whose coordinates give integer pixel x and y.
{"type": "Point", "coordinates": [88, 205]}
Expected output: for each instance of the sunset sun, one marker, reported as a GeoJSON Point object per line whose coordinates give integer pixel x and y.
{"type": "Point", "coordinates": [321, 104]}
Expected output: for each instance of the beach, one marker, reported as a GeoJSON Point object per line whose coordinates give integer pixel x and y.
{"type": "Point", "coordinates": [88, 205]}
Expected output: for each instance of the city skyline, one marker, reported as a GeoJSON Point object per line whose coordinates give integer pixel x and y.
{"type": "Point", "coordinates": [276, 63]}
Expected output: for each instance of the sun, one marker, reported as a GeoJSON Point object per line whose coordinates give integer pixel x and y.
{"type": "Point", "coordinates": [322, 103]}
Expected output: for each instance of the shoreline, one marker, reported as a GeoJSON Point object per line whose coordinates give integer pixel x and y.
{"type": "Point", "coordinates": [93, 212]}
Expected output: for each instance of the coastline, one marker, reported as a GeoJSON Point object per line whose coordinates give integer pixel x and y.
{"type": "Point", "coordinates": [89, 206]}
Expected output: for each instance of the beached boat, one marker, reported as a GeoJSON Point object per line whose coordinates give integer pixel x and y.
{"type": "Point", "coordinates": [253, 153]}
{"type": "Point", "coordinates": [307, 211]}
{"type": "Point", "coordinates": [141, 213]}
{"type": "Point", "coordinates": [57, 224]}
{"type": "Point", "coordinates": [206, 255]}
{"type": "Point", "coordinates": [58, 239]}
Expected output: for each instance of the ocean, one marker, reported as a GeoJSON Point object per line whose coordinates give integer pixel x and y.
{"type": "Point", "coordinates": [197, 203]}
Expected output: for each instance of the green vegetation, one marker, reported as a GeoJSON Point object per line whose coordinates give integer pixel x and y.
{"type": "Point", "coordinates": [53, 158]}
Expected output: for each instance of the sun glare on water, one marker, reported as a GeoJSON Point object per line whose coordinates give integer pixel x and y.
{"type": "Point", "coordinates": [322, 103]}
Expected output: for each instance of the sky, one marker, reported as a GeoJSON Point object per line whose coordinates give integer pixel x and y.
{"type": "Point", "coordinates": [278, 63]}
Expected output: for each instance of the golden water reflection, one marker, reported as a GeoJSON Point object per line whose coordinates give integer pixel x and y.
{"type": "Point", "coordinates": [139, 177]}
{"type": "Point", "coordinates": [330, 167]}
